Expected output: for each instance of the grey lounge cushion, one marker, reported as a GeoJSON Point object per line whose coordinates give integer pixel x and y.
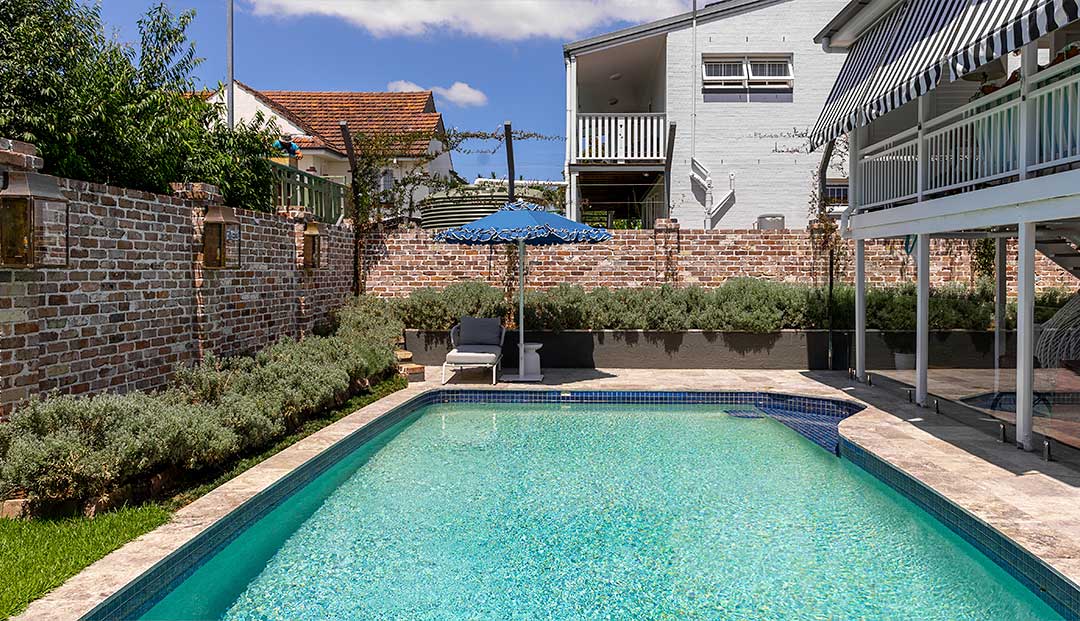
{"type": "Point", "coordinates": [476, 331]}
{"type": "Point", "coordinates": [474, 354]}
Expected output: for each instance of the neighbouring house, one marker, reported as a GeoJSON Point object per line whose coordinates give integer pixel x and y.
{"type": "Point", "coordinates": [312, 119]}
{"type": "Point", "coordinates": [738, 84]}
{"type": "Point", "coordinates": [961, 120]}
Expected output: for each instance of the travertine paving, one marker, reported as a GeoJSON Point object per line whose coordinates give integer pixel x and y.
{"type": "Point", "coordinates": [1035, 503]}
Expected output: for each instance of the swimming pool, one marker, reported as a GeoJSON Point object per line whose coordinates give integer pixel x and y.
{"type": "Point", "coordinates": [568, 506]}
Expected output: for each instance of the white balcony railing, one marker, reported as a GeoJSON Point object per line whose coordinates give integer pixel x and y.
{"type": "Point", "coordinates": [620, 137]}
{"type": "Point", "coordinates": [978, 143]}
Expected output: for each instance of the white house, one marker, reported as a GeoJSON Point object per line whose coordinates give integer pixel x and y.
{"type": "Point", "coordinates": [312, 120]}
{"type": "Point", "coordinates": [737, 83]}
{"type": "Point", "coordinates": [963, 119]}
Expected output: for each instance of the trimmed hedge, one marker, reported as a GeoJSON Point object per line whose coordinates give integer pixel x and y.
{"type": "Point", "coordinates": [74, 448]}
{"type": "Point", "coordinates": [739, 305]}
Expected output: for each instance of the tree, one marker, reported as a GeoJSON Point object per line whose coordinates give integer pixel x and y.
{"type": "Point", "coordinates": [377, 152]}
{"type": "Point", "coordinates": [112, 113]}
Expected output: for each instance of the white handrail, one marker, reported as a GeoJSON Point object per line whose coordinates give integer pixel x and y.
{"type": "Point", "coordinates": [621, 137]}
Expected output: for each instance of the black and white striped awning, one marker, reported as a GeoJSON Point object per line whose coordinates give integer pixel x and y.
{"type": "Point", "coordinates": [844, 108]}
{"type": "Point", "coordinates": [921, 40]}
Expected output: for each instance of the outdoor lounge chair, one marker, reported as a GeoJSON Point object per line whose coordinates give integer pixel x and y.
{"type": "Point", "coordinates": [477, 343]}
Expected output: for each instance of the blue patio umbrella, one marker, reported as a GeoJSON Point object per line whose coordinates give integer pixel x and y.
{"type": "Point", "coordinates": [524, 224]}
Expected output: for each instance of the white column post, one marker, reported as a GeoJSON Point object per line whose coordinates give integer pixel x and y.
{"type": "Point", "coordinates": [572, 139]}
{"type": "Point", "coordinates": [572, 198]}
{"type": "Point", "coordinates": [1025, 335]}
{"type": "Point", "coordinates": [1029, 65]}
{"type": "Point", "coordinates": [922, 319]}
{"type": "Point", "coordinates": [860, 310]}
{"type": "Point", "coordinates": [1000, 302]}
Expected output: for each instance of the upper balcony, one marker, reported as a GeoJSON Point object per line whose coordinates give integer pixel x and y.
{"type": "Point", "coordinates": [979, 144]}
{"type": "Point", "coordinates": [615, 104]}
{"type": "Point", "coordinates": [620, 137]}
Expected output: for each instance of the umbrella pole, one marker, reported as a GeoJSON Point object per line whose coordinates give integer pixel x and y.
{"type": "Point", "coordinates": [521, 308]}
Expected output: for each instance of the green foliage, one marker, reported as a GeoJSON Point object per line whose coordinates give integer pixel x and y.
{"type": "Point", "coordinates": [37, 556]}
{"type": "Point", "coordinates": [440, 309]}
{"type": "Point", "coordinates": [739, 305]}
{"type": "Point", "coordinates": [69, 448]}
{"type": "Point", "coordinates": [40, 554]}
{"type": "Point", "coordinates": [111, 113]}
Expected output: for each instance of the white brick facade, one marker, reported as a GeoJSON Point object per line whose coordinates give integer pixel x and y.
{"type": "Point", "coordinates": [764, 144]}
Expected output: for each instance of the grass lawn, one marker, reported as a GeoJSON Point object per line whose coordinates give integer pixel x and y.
{"type": "Point", "coordinates": [38, 555]}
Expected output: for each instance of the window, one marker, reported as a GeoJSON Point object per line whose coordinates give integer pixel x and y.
{"type": "Point", "coordinates": [725, 73]}
{"type": "Point", "coordinates": [747, 72]}
{"type": "Point", "coordinates": [386, 181]}
{"type": "Point", "coordinates": [836, 192]}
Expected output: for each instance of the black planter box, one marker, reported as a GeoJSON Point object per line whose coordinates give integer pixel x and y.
{"type": "Point", "coordinates": [696, 349]}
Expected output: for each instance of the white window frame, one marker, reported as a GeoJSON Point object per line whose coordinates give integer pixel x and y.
{"type": "Point", "coordinates": [748, 80]}
{"type": "Point", "coordinates": [724, 81]}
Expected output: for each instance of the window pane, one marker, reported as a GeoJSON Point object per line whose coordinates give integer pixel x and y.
{"type": "Point", "coordinates": [15, 231]}
{"type": "Point", "coordinates": [777, 69]}
{"type": "Point", "coordinates": [724, 70]}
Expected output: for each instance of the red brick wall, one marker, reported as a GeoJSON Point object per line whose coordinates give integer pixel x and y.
{"type": "Point", "coordinates": [133, 300]}
{"type": "Point", "coordinates": [400, 261]}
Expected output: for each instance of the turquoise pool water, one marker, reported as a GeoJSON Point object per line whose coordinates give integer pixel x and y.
{"type": "Point", "coordinates": [597, 512]}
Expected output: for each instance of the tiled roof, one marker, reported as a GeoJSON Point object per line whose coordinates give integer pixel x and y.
{"type": "Point", "coordinates": [321, 112]}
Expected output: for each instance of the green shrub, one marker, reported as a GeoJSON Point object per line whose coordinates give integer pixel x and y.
{"type": "Point", "coordinates": [71, 448]}
{"type": "Point", "coordinates": [740, 304]}
{"type": "Point", "coordinates": [440, 309]}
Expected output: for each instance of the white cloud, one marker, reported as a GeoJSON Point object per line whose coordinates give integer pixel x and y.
{"type": "Point", "coordinates": [458, 93]}
{"type": "Point", "coordinates": [494, 19]}
{"type": "Point", "coordinates": [404, 86]}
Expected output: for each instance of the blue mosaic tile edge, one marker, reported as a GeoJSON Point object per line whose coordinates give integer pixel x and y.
{"type": "Point", "coordinates": [813, 417]}
{"type": "Point", "coordinates": [1029, 570]}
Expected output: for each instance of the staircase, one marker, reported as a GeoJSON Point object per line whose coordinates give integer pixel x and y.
{"type": "Point", "coordinates": [406, 367]}
{"type": "Point", "coordinates": [1062, 246]}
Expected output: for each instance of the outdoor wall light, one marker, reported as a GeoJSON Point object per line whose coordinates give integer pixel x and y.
{"type": "Point", "coordinates": [314, 234]}
{"type": "Point", "coordinates": [221, 238]}
{"type": "Point", "coordinates": [21, 195]}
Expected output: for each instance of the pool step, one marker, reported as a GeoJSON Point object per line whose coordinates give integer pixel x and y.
{"type": "Point", "coordinates": [412, 371]}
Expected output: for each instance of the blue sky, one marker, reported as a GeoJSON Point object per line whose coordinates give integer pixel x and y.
{"type": "Point", "coordinates": [508, 50]}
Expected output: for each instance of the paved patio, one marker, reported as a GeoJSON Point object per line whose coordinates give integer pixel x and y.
{"type": "Point", "coordinates": [1037, 504]}
{"type": "Point", "coordinates": [958, 384]}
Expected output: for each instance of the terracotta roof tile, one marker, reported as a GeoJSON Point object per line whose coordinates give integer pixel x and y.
{"type": "Point", "coordinates": [320, 113]}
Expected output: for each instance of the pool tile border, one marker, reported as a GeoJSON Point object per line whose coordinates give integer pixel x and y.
{"type": "Point", "coordinates": [1032, 572]}
{"type": "Point", "coordinates": [811, 416]}
{"type": "Point", "coordinates": [816, 418]}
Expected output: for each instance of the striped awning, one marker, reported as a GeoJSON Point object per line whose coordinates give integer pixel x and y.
{"type": "Point", "coordinates": [1007, 26]}
{"type": "Point", "coordinates": [922, 39]}
{"type": "Point", "coordinates": [843, 110]}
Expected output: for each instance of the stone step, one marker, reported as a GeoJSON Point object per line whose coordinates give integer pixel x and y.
{"type": "Point", "coordinates": [412, 372]}
{"type": "Point", "coordinates": [403, 355]}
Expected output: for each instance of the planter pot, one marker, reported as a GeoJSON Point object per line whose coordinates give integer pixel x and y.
{"type": "Point", "coordinates": [903, 362]}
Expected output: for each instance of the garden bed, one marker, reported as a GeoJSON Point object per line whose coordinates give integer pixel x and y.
{"type": "Point", "coordinates": [37, 555]}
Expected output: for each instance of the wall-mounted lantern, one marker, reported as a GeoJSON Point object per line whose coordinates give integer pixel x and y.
{"type": "Point", "coordinates": [221, 238]}
{"type": "Point", "coordinates": [314, 238]}
{"type": "Point", "coordinates": [23, 195]}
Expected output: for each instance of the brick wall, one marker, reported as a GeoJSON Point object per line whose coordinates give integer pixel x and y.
{"type": "Point", "coordinates": [132, 299]}
{"type": "Point", "coordinates": [399, 262]}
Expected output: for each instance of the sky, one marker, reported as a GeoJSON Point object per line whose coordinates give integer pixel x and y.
{"type": "Point", "coordinates": [488, 61]}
